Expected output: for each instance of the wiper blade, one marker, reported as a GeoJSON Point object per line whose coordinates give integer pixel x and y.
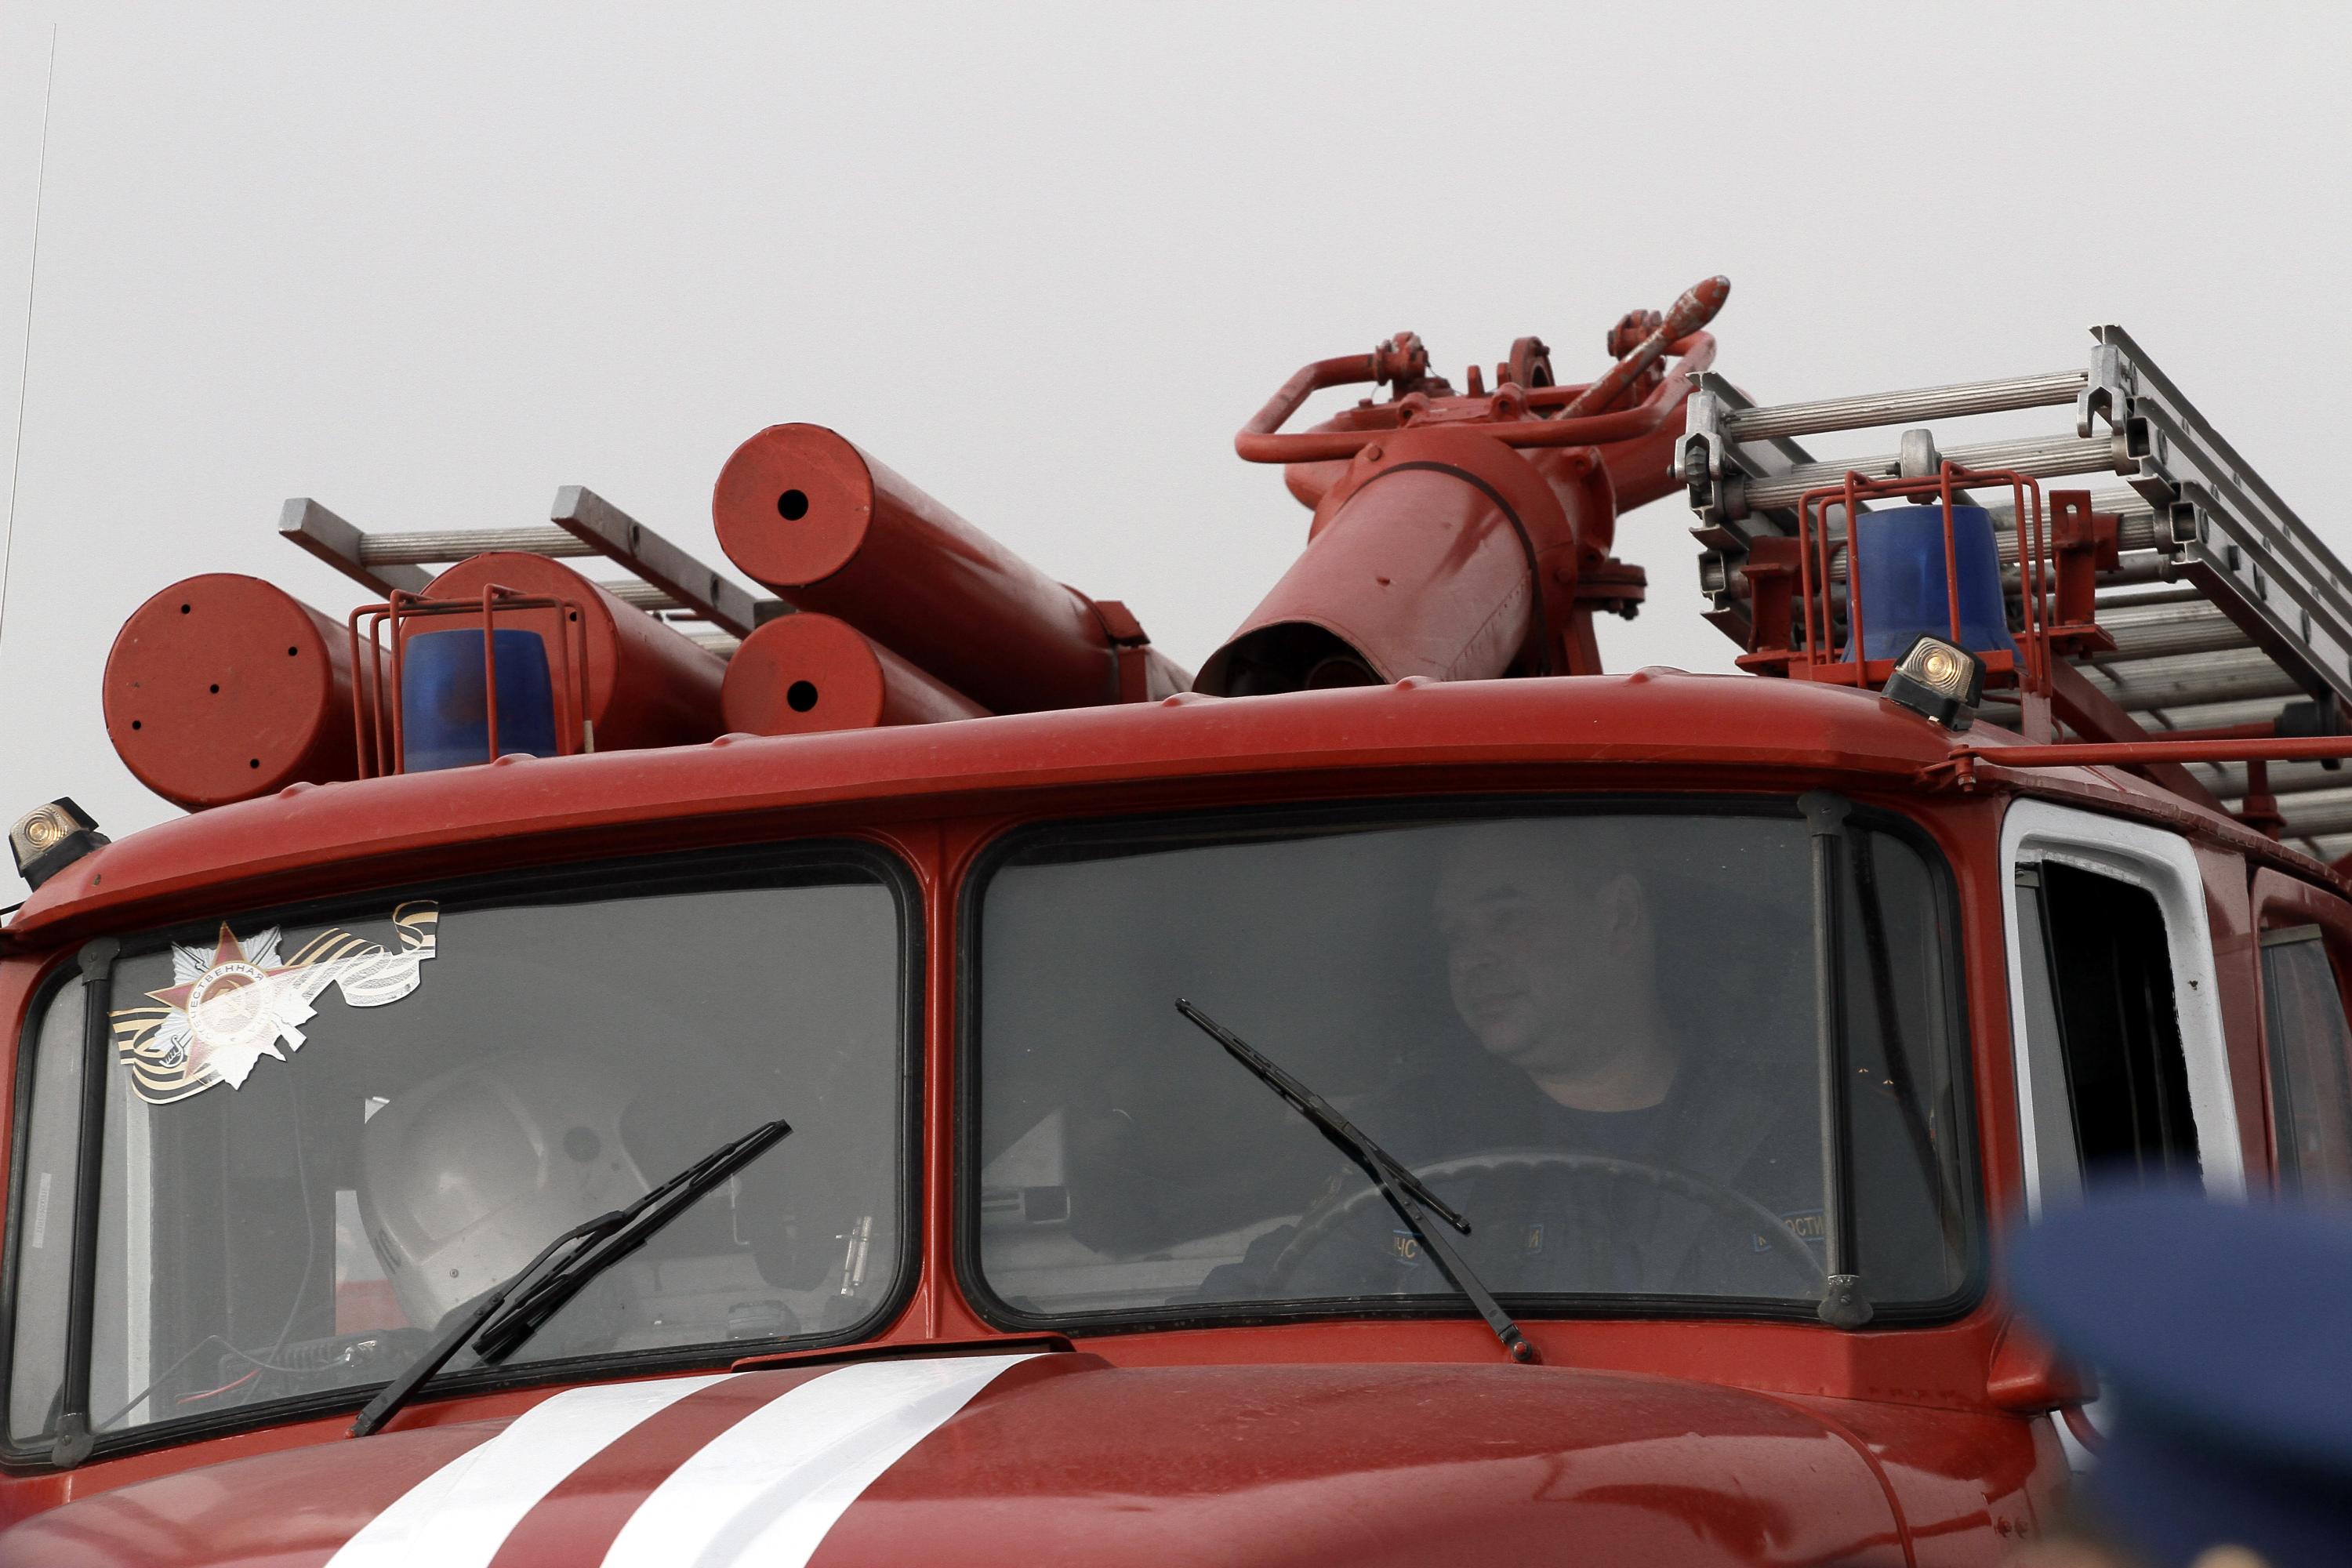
{"type": "Point", "coordinates": [541, 1287]}
{"type": "Point", "coordinates": [550, 1291]}
{"type": "Point", "coordinates": [1404, 1191]}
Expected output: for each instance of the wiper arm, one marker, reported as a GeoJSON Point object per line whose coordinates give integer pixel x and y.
{"type": "Point", "coordinates": [1404, 1191]}
{"type": "Point", "coordinates": [593, 1245]}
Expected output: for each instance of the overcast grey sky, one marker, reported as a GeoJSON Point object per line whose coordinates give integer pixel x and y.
{"type": "Point", "coordinates": [429, 263]}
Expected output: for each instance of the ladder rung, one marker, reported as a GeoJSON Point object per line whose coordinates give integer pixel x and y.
{"type": "Point", "coordinates": [2204, 687]}
{"type": "Point", "coordinates": [2183, 593]}
{"type": "Point", "coordinates": [594, 524]}
{"type": "Point", "coordinates": [2166, 630]}
{"type": "Point", "coordinates": [1897, 407]}
{"type": "Point", "coordinates": [2221, 715]}
{"type": "Point", "coordinates": [2041, 457]}
{"type": "Point", "coordinates": [2313, 816]}
{"type": "Point", "coordinates": [443, 544]}
{"type": "Point", "coordinates": [2329, 847]}
{"type": "Point", "coordinates": [2228, 779]}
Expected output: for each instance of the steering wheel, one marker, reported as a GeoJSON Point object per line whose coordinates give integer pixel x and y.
{"type": "Point", "coordinates": [1314, 1233]}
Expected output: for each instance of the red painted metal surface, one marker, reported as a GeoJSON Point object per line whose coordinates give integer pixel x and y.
{"type": "Point", "coordinates": [1681, 732]}
{"type": "Point", "coordinates": [1440, 553]}
{"type": "Point", "coordinates": [1247, 1440]}
{"type": "Point", "coordinates": [222, 687]}
{"type": "Point", "coordinates": [1484, 548]}
{"type": "Point", "coordinates": [1961, 764]}
{"type": "Point", "coordinates": [832, 530]}
{"type": "Point", "coordinates": [1069, 1459]}
{"type": "Point", "coordinates": [1521, 415]}
{"type": "Point", "coordinates": [1694, 309]}
{"type": "Point", "coordinates": [802, 673]}
{"type": "Point", "coordinates": [648, 684]}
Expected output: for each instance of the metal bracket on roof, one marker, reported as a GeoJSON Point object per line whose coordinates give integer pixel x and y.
{"type": "Point", "coordinates": [2247, 549]}
{"type": "Point", "coordinates": [343, 546]}
{"type": "Point", "coordinates": [667, 583]}
{"type": "Point", "coordinates": [611, 532]}
{"type": "Point", "coordinates": [2224, 610]}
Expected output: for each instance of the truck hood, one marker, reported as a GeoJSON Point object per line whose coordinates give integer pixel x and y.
{"type": "Point", "coordinates": [1037, 1459]}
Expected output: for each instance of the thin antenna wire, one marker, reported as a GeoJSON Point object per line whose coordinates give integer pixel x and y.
{"type": "Point", "coordinates": [24, 370]}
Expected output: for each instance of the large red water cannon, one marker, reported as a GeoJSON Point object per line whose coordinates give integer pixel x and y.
{"type": "Point", "coordinates": [1465, 535]}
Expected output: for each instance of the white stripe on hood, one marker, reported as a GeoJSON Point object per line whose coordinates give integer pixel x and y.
{"type": "Point", "coordinates": [461, 1515]}
{"type": "Point", "coordinates": [765, 1490]}
{"type": "Point", "coordinates": [768, 1489]}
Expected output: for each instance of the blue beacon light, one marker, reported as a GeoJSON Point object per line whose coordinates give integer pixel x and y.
{"type": "Point", "coordinates": [1900, 563]}
{"type": "Point", "coordinates": [444, 719]}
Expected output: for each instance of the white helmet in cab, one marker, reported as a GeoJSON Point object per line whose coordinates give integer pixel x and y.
{"type": "Point", "coordinates": [466, 1177]}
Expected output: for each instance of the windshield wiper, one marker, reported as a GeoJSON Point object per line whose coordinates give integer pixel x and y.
{"type": "Point", "coordinates": [1404, 1190]}
{"type": "Point", "coordinates": [508, 1313]}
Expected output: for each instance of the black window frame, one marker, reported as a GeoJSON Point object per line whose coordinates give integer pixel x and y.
{"type": "Point", "coordinates": [1237, 824]}
{"type": "Point", "coordinates": [764, 864]}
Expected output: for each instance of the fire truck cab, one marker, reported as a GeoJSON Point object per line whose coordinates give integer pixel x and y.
{"type": "Point", "coordinates": [901, 1070]}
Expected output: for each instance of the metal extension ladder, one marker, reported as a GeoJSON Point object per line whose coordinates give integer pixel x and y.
{"type": "Point", "coordinates": [665, 581]}
{"type": "Point", "coordinates": [2226, 611]}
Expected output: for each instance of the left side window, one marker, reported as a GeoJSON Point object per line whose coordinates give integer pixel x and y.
{"type": "Point", "coordinates": [322, 1136]}
{"type": "Point", "coordinates": [45, 1206]}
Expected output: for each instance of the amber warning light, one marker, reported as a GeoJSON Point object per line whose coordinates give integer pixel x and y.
{"type": "Point", "coordinates": [47, 840]}
{"type": "Point", "coordinates": [1938, 680]}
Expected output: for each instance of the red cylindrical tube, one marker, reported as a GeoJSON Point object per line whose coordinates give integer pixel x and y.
{"type": "Point", "coordinates": [222, 687]}
{"type": "Point", "coordinates": [1427, 564]}
{"type": "Point", "coordinates": [831, 529]}
{"type": "Point", "coordinates": [648, 685]}
{"type": "Point", "coordinates": [1417, 575]}
{"type": "Point", "coordinates": [807, 672]}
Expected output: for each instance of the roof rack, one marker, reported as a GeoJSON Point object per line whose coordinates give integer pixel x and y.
{"type": "Point", "coordinates": [666, 582]}
{"type": "Point", "coordinates": [2229, 619]}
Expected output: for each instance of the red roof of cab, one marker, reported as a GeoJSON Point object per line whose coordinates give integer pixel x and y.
{"type": "Point", "coordinates": [1653, 718]}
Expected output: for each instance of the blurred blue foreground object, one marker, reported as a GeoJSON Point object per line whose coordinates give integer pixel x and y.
{"type": "Point", "coordinates": [2225, 1336]}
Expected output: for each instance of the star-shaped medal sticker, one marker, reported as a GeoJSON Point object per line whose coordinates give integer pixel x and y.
{"type": "Point", "coordinates": [238, 1007]}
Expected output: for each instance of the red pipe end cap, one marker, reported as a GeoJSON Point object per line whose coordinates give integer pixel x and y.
{"type": "Point", "coordinates": [793, 505]}
{"type": "Point", "coordinates": [800, 674]}
{"type": "Point", "coordinates": [222, 687]}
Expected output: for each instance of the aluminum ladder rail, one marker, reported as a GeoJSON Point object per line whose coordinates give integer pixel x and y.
{"type": "Point", "coordinates": [2225, 607]}
{"type": "Point", "coordinates": [666, 582]}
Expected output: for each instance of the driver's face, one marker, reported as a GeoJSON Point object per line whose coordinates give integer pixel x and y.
{"type": "Point", "coordinates": [1521, 941]}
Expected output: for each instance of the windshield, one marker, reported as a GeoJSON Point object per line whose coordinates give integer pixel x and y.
{"type": "Point", "coordinates": [323, 1136]}
{"type": "Point", "coordinates": [1591, 1033]}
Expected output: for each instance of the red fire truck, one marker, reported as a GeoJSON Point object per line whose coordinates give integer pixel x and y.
{"type": "Point", "coordinates": [615, 1069]}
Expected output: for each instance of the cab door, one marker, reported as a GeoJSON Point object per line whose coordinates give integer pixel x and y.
{"type": "Point", "coordinates": [2122, 1061]}
{"type": "Point", "coordinates": [2307, 952]}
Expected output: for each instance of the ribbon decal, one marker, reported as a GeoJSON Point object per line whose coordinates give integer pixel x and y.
{"type": "Point", "coordinates": [227, 1009]}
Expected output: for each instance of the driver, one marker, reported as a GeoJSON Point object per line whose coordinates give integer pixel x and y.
{"type": "Point", "coordinates": [1552, 962]}
{"type": "Point", "coordinates": [1553, 966]}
